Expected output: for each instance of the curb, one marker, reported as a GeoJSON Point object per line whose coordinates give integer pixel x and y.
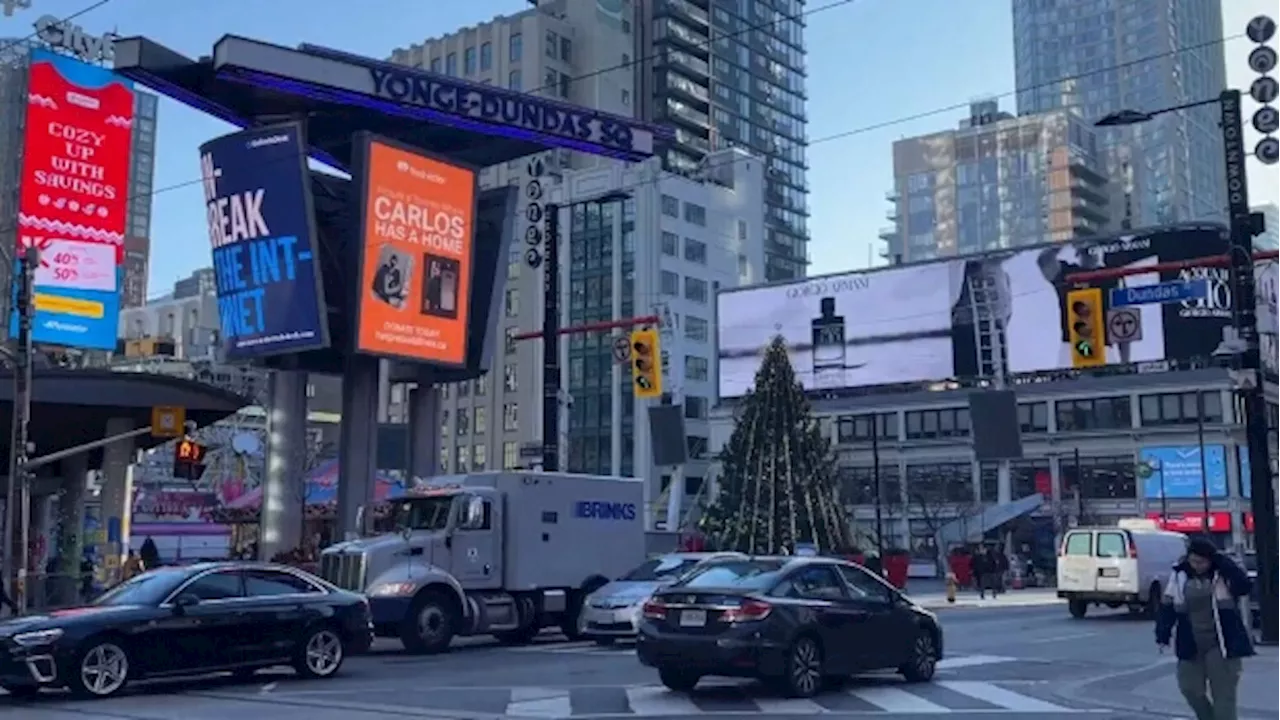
{"type": "Point", "coordinates": [1136, 703]}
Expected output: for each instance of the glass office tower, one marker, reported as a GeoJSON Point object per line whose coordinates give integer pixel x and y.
{"type": "Point", "coordinates": [1101, 56]}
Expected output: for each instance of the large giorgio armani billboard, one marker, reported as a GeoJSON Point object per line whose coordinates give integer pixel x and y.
{"type": "Point", "coordinates": [914, 324]}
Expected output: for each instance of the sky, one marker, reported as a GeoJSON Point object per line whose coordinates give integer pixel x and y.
{"type": "Point", "coordinates": [879, 71]}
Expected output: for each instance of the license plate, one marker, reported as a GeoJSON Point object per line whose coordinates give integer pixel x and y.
{"type": "Point", "coordinates": [1110, 572]}
{"type": "Point", "coordinates": [693, 618]}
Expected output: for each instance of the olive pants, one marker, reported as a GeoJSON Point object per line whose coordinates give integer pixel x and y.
{"type": "Point", "coordinates": [1209, 684]}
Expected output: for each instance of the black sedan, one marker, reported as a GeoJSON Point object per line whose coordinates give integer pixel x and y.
{"type": "Point", "coordinates": [795, 622]}
{"type": "Point", "coordinates": [198, 619]}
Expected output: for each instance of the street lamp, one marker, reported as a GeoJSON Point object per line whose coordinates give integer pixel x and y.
{"type": "Point", "coordinates": [551, 325]}
{"type": "Point", "coordinates": [1244, 224]}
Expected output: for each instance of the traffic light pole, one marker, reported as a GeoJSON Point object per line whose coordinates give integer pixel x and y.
{"type": "Point", "coordinates": [551, 341]}
{"type": "Point", "coordinates": [18, 501]}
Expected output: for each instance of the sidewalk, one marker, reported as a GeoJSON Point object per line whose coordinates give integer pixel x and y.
{"type": "Point", "coordinates": [932, 594]}
{"type": "Point", "coordinates": [1257, 687]}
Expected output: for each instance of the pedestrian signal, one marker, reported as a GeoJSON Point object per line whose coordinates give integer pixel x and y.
{"type": "Point", "coordinates": [1085, 330]}
{"type": "Point", "coordinates": [646, 364]}
{"type": "Point", "coordinates": [188, 459]}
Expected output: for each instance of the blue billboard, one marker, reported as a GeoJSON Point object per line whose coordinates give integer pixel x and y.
{"type": "Point", "coordinates": [1176, 470]}
{"type": "Point", "coordinates": [258, 194]}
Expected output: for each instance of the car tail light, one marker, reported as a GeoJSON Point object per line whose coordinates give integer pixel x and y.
{"type": "Point", "coordinates": [655, 610]}
{"type": "Point", "coordinates": [748, 611]}
{"type": "Point", "coordinates": [1133, 548]}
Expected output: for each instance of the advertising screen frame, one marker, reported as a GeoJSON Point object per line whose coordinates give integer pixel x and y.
{"type": "Point", "coordinates": [100, 333]}
{"type": "Point", "coordinates": [362, 162]}
{"type": "Point", "coordinates": [323, 338]}
{"type": "Point", "coordinates": [1214, 463]}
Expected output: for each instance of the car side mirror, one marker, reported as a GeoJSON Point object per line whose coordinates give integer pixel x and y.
{"type": "Point", "coordinates": [184, 601]}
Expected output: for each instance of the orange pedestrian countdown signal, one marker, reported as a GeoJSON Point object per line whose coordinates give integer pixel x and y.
{"type": "Point", "coordinates": [189, 452]}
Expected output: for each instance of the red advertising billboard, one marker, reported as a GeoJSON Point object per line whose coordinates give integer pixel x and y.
{"type": "Point", "coordinates": [74, 197]}
{"type": "Point", "coordinates": [1193, 522]}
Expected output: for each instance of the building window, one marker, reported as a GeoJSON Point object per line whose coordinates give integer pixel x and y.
{"type": "Point", "coordinates": [1109, 413]}
{"type": "Point", "coordinates": [444, 460]}
{"type": "Point", "coordinates": [933, 424]}
{"type": "Point", "coordinates": [696, 408]}
{"type": "Point", "coordinates": [1099, 478]}
{"type": "Point", "coordinates": [469, 61]}
{"type": "Point", "coordinates": [933, 486]}
{"type": "Point", "coordinates": [435, 65]}
{"type": "Point", "coordinates": [696, 329]}
{"type": "Point", "coordinates": [1026, 477]}
{"type": "Point", "coordinates": [482, 385]}
{"type": "Point", "coordinates": [696, 368]}
{"type": "Point", "coordinates": [695, 251]}
{"type": "Point", "coordinates": [515, 47]}
{"type": "Point", "coordinates": [513, 80]}
{"type": "Point", "coordinates": [510, 383]}
{"type": "Point", "coordinates": [553, 44]}
{"type": "Point", "coordinates": [512, 303]}
{"type": "Point", "coordinates": [510, 455]}
{"type": "Point", "coordinates": [464, 421]}
{"type": "Point", "coordinates": [695, 289]}
{"type": "Point", "coordinates": [858, 486]}
{"type": "Point", "coordinates": [511, 417]}
{"type": "Point", "coordinates": [480, 420]}
{"type": "Point", "coordinates": [479, 457]}
{"type": "Point", "coordinates": [1179, 408]}
{"type": "Point", "coordinates": [670, 244]}
{"type": "Point", "coordinates": [451, 64]}
{"type": "Point", "coordinates": [625, 97]}
{"type": "Point", "coordinates": [670, 206]}
{"type": "Point", "coordinates": [695, 214]}
{"type": "Point", "coordinates": [1033, 417]}
{"type": "Point", "coordinates": [486, 56]}
{"type": "Point", "coordinates": [462, 452]}
{"type": "Point", "coordinates": [857, 428]}
{"type": "Point", "coordinates": [510, 341]}
{"type": "Point", "coordinates": [668, 283]}
{"type": "Point", "coordinates": [550, 81]}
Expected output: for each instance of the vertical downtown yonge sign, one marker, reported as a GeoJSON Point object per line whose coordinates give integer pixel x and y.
{"type": "Point", "coordinates": [74, 198]}
{"type": "Point", "coordinates": [258, 198]}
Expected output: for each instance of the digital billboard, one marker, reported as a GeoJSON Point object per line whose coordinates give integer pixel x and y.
{"type": "Point", "coordinates": [73, 198]}
{"type": "Point", "coordinates": [257, 193]}
{"type": "Point", "coordinates": [415, 255]}
{"type": "Point", "coordinates": [1176, 471]}
{"type": "Point", "coordinates": [915, 323]}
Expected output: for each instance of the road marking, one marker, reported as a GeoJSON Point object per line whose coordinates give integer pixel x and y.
{"type": "Point", "coordinates": [785, 706]}
{"type": "Point", "coordinates": [539, 703]}
{"type": "Point", "coordinates": [659, 701]}
{"type": "Point", "coordinates": [965, 661]}
{"type": "Point", "coordinates": [1000, 697]}
{"type": "Point", "coordinates": [899, 701]}
{"type": "Point", "coordinates": [1060, 638]}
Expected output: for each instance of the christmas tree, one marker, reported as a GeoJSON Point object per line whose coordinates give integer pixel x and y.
{"type": "Point", "coordinates": [779, 487]}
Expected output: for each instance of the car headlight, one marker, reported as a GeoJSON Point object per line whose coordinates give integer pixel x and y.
{"type": "Point", "coordinates": [394, 589]}
{"type": "Point", "coordinates": [38, 637]}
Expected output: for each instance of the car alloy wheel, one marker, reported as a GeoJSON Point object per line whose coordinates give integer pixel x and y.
{"type": "Point", "coordinates": [804, 675]}
{"type": "Point", "coordinates": [104, 669]}
{"type": "Point", "coordinates": [924, 659]}
{"type": "Point", "coordinates": [324, 653]}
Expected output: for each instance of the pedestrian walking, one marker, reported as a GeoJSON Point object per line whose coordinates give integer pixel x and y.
{"type": "Point", "coordinates": [1200, 613]}
{"type": "Point", "coordinates": [982, 568]}
{"type": "Point", "coordinates": [1001, 571]}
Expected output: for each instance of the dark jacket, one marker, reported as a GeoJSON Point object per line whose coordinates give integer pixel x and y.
{"type": "Point", "coordinates": [1230, 584]}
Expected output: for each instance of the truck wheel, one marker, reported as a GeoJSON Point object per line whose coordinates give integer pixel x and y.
{"type": "Point", "coordinates": [432, 622]}
{"type": "Point", "coordinates": [1077, 608]}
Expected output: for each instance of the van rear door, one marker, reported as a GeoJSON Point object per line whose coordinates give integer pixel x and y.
{"type": "Point", "coordinates": [1117, 569]}
{"type": "Point", "coordinates": [1076, 568]}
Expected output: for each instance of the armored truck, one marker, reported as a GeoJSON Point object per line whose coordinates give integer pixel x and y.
{"type": "Point", "coordinates": [494, 553]}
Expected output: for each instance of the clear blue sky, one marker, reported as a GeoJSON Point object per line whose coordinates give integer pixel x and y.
{"type": "Point", "coordinates": [871, 62]}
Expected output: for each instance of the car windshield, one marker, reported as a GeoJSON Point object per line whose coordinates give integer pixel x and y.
{"type": "Point", "coordinates": [753, 574]}
{"type": "Point", "coordinates": [663, 568]}
{"type": "Point", "coordinates": [150, 588]}
{"type": "Point", "coordinates": [423, 513]}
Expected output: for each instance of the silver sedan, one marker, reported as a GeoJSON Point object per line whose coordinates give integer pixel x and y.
{"type": "Point", "coordinates": [613, 611]}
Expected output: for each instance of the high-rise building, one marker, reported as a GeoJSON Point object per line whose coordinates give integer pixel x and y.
{"type": "Point", "coordinates": [997, 181]}
{"type": "Point", "coordinates": [1270, 237]}
{"type": "Point", "coordinates": [1103, 56]}
{"type": "Point", "coordinates": [730, 73]}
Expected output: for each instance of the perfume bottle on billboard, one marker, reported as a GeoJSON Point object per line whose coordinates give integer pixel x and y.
{"type": "Point", "coordinates": [828, 346]}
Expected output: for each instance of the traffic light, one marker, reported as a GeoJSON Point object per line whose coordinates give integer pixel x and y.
{"type": "Point", "coordinates": [188, 459]}
{"type": "Point", "coordinates": [646, 363]}
{"type": "Point", "coordinates": [1085, 328]}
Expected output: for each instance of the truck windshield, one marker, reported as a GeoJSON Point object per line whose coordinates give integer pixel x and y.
{"type": "Point", "coordinates": [423, 513]}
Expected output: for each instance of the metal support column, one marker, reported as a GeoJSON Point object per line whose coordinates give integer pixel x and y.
{"type": "Point", "coordinates": [358, 444]}
{"type": "Point", "coordinates": [284, 492]}
{"type": "Point", "coordinates": [424, 428]}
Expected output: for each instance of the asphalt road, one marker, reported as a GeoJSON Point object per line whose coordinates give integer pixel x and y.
{"type": "Point", "coordinates": [1003, 661]}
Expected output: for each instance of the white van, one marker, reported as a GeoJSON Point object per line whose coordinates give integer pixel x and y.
{"type": "Point", "coordinates": [1117, 566]}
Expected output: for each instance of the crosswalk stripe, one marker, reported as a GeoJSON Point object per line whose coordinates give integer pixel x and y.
{"type": "Point", "coordinates": [1000, 697]}
{"type": "Point", "coordinates": [659, 701]}
{"type": "Point", "coordinates": [539, 703]}
{"type": "Point", "coordinates": [788, 706]}
{"type": "Point", "coordinates": [894, 700]}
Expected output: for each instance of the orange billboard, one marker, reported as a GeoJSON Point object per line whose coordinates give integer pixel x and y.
{"type": "Point", "coordinates": [416, 243]}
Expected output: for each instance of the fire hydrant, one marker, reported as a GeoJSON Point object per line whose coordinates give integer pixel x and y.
{"type": "Point", "coordinates": [951, 587]}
